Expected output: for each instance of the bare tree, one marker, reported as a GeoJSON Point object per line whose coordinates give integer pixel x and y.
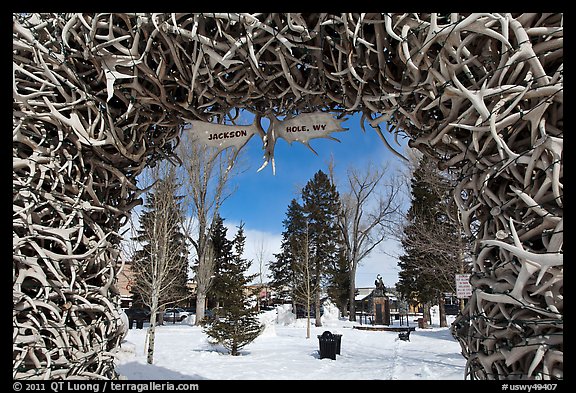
{"type": "Point", "coordinates": [306, 289]}
{"type": "Point", "coordinates": [369, 207]}
{"type": "Point", "coordinates": [261, 252]}
{"type": "Point", "coordinates": [207, 173]}
{"type": "Point", "coordinates": [204, 274]}
{"type": "Point", "coordinates": [162, 262]}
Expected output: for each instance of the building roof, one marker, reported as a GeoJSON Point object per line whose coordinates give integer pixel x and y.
{"type": "Point", "coordinates": [364, 293]}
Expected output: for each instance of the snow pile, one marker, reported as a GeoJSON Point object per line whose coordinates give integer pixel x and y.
{"type": "Point", "coordinates": [331, 312]}
{"type": "Point", "coordinates": [284, 315]}
{"type": "Point", "coordinates": [190, 319]}
{"type": "Point", "coordinates": [268, 319]}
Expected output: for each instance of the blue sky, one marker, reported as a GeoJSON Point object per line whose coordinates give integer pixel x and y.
{"type": "Point", "coordinates": [262, 198]}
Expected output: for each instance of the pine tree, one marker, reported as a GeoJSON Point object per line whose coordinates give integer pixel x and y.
{"type": "Point", "coordinates": [339, 280]}
{"type": "Point", "coordinates": [223, 254]}
{"type": "Point", "coordinates": [414, 282]}
{"type": "Point", "coordinates": [282, 270]}
{"type": "Point", "coordinates": [237, 324]}
{"type": "Point", "coordinates": [432, 243]}
{"type": "Point", "coordinates": [321, 205]}
{"type": "Point", "coordinates": [310, 248]}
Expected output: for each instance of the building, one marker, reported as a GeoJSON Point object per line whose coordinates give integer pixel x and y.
{"type": "Point", "coordinates": [124, 284]}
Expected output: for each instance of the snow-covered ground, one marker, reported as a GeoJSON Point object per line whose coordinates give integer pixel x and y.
{"type": "Point", "coordinates": [282, 352]}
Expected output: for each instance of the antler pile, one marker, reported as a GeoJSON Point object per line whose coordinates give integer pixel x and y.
{"type": "Point", "coordinates": [97, 97]}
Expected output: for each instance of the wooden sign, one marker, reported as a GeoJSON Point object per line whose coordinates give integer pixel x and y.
{"type": "Point", "coordinates": [308, 126]}
{"type": "Point", "coordinates": [222, 136]}
{"type": "Point", "coordinates": [301, 128]}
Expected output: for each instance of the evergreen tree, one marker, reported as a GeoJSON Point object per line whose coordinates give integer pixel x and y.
{"type": "Point", "coordinates": [282, 270]}
{"type": "Point", "coordinates": [414, 283]}
{"type": "Point", "coordinates": [433, 246]}
{"type": "Point", "coordinates": [339, 280]}
{"type": "Point", "coordinates": [223, 255]}
{"type": "Point", "coordinates": [321, 205]}
{"type": "Point", "coordinates": [237, 323]}
{"type": "Point", "coordinates": [310, 249]}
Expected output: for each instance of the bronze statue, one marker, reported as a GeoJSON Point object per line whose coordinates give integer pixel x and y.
{"type": "Point", "coordinates": [380, 288]}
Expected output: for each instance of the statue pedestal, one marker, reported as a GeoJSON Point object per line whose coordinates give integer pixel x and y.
{"type": "Point", "coordinates": [381, 306]}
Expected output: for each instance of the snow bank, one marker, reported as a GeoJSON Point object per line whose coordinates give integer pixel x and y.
{"type": "Point", "coordinates": [190, 320]}
{"type": "Point", "coordinates": [331, 312]}
{"type": "Point", "coordinates": [268, 319]}
{"type": "Point", "coordinates": [284, 315]}
{"type": "Point", "coordinates": [125, 352]}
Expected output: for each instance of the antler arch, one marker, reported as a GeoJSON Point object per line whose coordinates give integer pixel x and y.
{"type": "Point", "coordinates": [97, 97]}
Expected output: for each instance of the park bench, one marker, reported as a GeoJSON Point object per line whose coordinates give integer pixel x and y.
{"type": "Point", "coordinates": [404, 335]}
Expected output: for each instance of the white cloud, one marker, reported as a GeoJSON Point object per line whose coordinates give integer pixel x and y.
{"type": "Point", "coordinates": [384, 261]}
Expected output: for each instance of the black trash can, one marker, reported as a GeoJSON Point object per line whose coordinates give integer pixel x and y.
{"type": "Point", "coordinates": [139, 323]}
{"type": "Point", "coordinates": [338, 338]}
{"type": "Point", "coordinates": [327, 343]}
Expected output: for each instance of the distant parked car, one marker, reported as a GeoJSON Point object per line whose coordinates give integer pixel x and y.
{"type": "Point", "coordinates": [138, 314]}
{"type": "Point", "coordinates": [175, 314]}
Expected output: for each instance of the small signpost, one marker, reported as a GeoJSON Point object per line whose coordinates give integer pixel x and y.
{"type": "Point", "coordinates": [463, 286]}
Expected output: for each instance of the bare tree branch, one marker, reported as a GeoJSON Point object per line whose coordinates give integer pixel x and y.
{"type": "Point", "coordinates": [158, 265]}
{"type": "Point", "coordinates": [369, 207]}
{"type": "Point", "coordinates": [207, 174]}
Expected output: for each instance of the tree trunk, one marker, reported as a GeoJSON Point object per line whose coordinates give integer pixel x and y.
{"type": "Point", "coordinates": [426, 315]}
{"type": "Point", "coordinates": [200, 308]}
{"type": "Point", "coordinates": [343, 306]}
{"type": "Point", "coordinates": [352, 295]}
{"type": "Point", "coordinates": [152, 330]}
{"type": "Point", "coordinates": [318, 318]}
{"type": "Point", "coordinates": [308, 321]}
{"type": "Point", "coordinates": [442, 310]}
